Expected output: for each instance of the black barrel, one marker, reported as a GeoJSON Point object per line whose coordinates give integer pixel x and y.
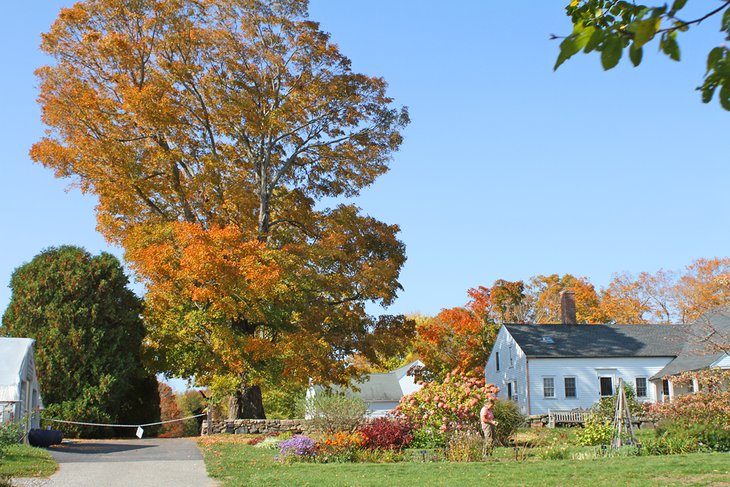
{"type": "Point", "coordinates": [45, 438]}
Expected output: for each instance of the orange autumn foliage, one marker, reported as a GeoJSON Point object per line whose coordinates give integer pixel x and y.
{"type": "Point", "coordinates": [457, 338]}
{"type": "Point", "coordinates": [169, 410]}
{"type": "Point", "coordinates": [668, 297]}
{"type": "Point", "coordinates": [211, 131]}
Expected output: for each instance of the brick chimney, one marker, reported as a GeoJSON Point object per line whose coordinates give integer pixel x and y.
{"type": "Point", "coordinates": [567, 308]}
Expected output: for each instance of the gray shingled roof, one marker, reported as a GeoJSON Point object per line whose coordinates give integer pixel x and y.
{"type": "Point", "coordinates": [380, 387]}
{"type": "Point", "coordinates": [599, 340]}
{"type": "Point", "coordinates": [700, 344]}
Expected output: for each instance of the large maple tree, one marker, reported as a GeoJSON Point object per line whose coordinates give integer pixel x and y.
{"type": "Point", "coordinates": [214, 133]}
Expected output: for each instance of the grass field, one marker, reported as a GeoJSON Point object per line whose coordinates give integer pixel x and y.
{"type": "Point", "coordinates": [26, 461]}
{"type": "Point", "coordinates": [237, 464]}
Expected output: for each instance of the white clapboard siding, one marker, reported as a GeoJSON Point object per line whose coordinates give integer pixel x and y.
{"type": "Point", "coordinates": [587, 372]}
{"type": "Point", "coordinates": [509, 371]}
{"type": "Point", "coordinates": [723, 362]}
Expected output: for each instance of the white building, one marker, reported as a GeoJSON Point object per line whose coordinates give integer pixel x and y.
{"type": "Point", "coordinates": [381, 392]}
{"type": "Point", "coordinates": [20, 398]}
{"type": "Point", "coordinates": [544, 367]}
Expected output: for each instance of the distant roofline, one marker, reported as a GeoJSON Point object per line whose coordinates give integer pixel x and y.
{"type": "Point", "coordinates": [597, 324]}
{"type": "Point", "coordinates": [600, 356]}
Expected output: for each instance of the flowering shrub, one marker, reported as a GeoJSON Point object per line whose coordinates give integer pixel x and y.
{"type": "Point", "coordinates": [697, 420]}
{"type": "Point", "coordinates": [596, 431]}
{"type": "Point", "coordinates": [340, 447]}
{"type": "Point", "coordinates": [704, 412]}
{"type": "Point", "coordinates": [700, 408]}
{"type": "Point", "coordinates": [343, 441]}
{"type": "Point", "coordinates": [270, 442]}
{"type": "Point", "coordinates": [386, 434]}
{"type": "Point", "coordinates": [452, 405]}
{"type": "Point", "coordinates": [299, 448]}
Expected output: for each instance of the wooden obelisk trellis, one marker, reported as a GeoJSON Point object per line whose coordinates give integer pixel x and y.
{"type": "Point", "coordinates": [623, 427]}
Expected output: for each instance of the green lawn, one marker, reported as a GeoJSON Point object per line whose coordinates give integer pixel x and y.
{"type": "Point", "coordinates": [26, 461]}
{"type": "Point", "coordinates": [236, 464]}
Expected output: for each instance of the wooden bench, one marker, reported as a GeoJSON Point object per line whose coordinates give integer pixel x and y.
{"type": "Point", "coordinates": [567, 417]}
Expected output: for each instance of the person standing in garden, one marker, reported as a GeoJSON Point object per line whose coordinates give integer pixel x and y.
{"type": "Point", "coordinates": [486, 416]}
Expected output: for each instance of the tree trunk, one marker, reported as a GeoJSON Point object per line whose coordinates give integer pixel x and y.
{"type": "Point", "coordinates": [246, 403]}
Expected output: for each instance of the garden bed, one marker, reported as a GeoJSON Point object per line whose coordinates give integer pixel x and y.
{"type": "Point", "coordinates": [235, 463]}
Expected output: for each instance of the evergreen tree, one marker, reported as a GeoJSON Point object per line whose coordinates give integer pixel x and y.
{"type": "Point", "coordinates": [89, 334]}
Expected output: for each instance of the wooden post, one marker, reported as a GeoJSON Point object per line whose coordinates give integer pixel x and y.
{"type": "Point", "coordinates": [622, 420]}
{"type": "Point", "coordinates": [209, 417]}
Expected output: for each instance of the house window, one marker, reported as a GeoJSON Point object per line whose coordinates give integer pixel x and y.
{"type": "Point", "coordinates": [509, 391]}
{"type": "Point", "coordinates": [548, 387]}
{"type": "Point", "coordinates": [641, 387]}
{"type": "Point", "coordinates": [691, 386]}
{"type": "Point", "coordinates": [665, 388]}
{"type": "Point", "coordinates": [497, 355]}
{"type": "Point", "coordinates": [570, 387]}
{"type": "Point", "coordinates": [606, 386]}
{"type": "Point", "coordinates": [510, 357]}
{"type": "Point", "coordinates": [515, 395]}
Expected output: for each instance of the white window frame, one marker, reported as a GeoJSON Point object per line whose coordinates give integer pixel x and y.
{"type": "Point", "coordinates": [613, 385]}
{"type": "Point", "coordinates": [668, 392]}
{"type": "Point", "coordinates": [544, 389]}
{"type": "Point", "coordinates": [575, 387]}
{"type": "Point", "coordinates": [646, 387]}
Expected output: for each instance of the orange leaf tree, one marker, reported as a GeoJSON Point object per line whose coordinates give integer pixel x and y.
{"type": "Point", "coordinates": [544, 297]}
{"type": "Point", "coordinates": [458, 339]}
{"type": "Point", "coordinates": [211, 131]}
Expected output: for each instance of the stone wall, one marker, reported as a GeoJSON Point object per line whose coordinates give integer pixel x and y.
{"type": "Point", "coordinates": [255, 426]}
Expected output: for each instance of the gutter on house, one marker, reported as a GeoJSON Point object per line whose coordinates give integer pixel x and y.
{"type": "Point", "coordinates": [527, 378]}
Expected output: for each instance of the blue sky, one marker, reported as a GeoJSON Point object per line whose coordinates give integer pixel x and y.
{"type": "Point", "coordinates": [508, 169]}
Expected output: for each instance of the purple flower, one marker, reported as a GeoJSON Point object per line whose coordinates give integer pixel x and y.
{"type": "Point", "coordinates": [298, 446]}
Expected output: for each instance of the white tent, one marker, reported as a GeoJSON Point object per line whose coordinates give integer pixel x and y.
{"type": "Point", "coordinates": [20, 397]}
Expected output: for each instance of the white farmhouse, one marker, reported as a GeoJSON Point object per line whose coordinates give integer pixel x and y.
{"type": "Point", "coordinates": [569, 366]}
{"type": "Point", "coordinates": [20, 398]}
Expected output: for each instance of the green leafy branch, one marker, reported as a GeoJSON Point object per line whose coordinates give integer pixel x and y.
{"type": "Point", "coordinates": [610, 27]}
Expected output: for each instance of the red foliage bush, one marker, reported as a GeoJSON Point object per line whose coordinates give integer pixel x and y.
{"type": "Point", "coordinates": [386, 434]}
{"type": "Point", "coordinates": [169, 410]}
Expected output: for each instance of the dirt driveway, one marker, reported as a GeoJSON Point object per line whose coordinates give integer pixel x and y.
{"type": "Point", "coordinates": [137, 463]}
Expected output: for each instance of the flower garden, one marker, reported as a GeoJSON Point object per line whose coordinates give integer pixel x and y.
{"type": "Point", "coordinates": [434, 436]}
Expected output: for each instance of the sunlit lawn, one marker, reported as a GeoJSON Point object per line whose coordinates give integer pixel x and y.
{"type": "Point", "coordinates": [237, 464]}
{"type": "Point", "coordinates": [26, 461]}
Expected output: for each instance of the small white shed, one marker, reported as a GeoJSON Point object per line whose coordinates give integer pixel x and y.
{"type": "Point", "coordinates": [20, 397]}
{"type": "Point", "coordinates": [381, 392]}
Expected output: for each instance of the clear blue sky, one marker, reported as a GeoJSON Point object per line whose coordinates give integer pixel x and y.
{"type": "Point", "coordinates": [508, 169]}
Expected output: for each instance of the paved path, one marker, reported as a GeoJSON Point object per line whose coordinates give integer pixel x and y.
{"type": "Point", "coordinates": [137, 463]}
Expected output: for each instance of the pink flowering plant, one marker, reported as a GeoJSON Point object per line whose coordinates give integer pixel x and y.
{"type": "Point", "coordinates": [708, 406]}
{"type": "Point", "coordinates": [703, 415]}
{"type": "Point", "coordinates": [451, 405]}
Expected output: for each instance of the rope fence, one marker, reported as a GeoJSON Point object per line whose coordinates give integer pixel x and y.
{"type": "Point", "coordinates": [140, 427]}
